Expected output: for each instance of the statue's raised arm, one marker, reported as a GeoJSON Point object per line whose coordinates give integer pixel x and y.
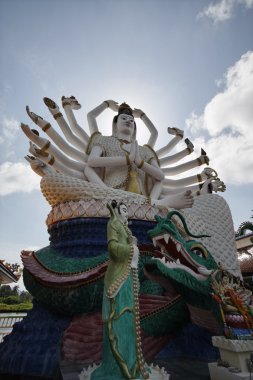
{"type": "Point", "coordinates": [152, 129]}
{"type": "Point", "coordinates": [93, 114]}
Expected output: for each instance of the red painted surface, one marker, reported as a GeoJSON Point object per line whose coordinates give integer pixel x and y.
{"type": "Point", "coordinates": [83, 339]}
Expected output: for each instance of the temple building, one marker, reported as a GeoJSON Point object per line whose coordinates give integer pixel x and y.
{"type": "Point", "coordinates": [8, 273]}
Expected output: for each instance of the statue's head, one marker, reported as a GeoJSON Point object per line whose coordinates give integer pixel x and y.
{"type": "Point", "coordinates": [121, 211]}
{"type": "Point", "coordinates": [123, 125]}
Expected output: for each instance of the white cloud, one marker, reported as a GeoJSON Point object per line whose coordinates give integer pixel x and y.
{"type": "Point", "coordinates": [248, 3]}
{"type": "Point", "coordinates": [223, 10]}
{"type": "Point", "coordinates": [228, 120]}
{"type": "Point", "coordinates": [17, 177]}
{"type": "Point", "coordinates": [218, 12]}
{"type": "Point", "coordinates": [9, 129]}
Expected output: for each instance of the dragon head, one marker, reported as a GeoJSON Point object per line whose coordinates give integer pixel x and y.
{"type": "Point", "coordinates": [184, 260]}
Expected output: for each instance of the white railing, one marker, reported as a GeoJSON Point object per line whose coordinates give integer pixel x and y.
{"type": "Point", "coordinates": [7, 320]}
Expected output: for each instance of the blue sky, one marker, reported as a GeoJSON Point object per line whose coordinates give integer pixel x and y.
{"type": "Point", "coordinates": [187, 64]}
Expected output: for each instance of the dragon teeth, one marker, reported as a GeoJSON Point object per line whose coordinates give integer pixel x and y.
{"type": "Point", "coordinates": [166, 238]}
{"type": "Point", "coordinates": [178, 246]}
{"type": "Point", "coordinates": [178, 261]}
{"type": "Point", "coordinates": [163, 250]}
{"type": "Point", "coordinates": [154, 242]}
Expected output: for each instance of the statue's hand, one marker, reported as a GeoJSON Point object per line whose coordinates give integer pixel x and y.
{"type": "Point", "coordinates": [210, 173]}
{"type": "Point", "coordinates": [35, 118]}
{"type": "Point", "coordinates": [37, 165]}
{"type": "Point", "coordinates": [71, 101]}
{"type": "Point", "coordinates": [218, 185]}
{"type": "Point", "coordinates": [137, 112]}
{"type": "Point", "coordinates": [212, 185]}
{"type": "Point", "coordinates": [51, 104]}
{"type": "Point", "coordinates": [114, 106]}
{"type": "Point", "coordinates": [175, 132]}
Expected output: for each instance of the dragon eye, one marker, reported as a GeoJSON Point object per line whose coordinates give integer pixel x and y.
{"type": "Point", "coordinates": [199, 251]}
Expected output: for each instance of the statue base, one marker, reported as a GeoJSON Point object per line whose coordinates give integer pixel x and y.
{"type": "Point", "coordinates": [237, 355]}
{"type": "Point", "coordinates": [216, 373]}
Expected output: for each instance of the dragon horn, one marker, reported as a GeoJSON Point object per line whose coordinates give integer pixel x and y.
{"type": "Point", "coordinates": [158, 218]}
{"type": "Point", "coordinates": [171, 213]}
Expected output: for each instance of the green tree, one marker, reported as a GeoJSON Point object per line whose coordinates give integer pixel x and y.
{"type": "Point", "coordinates": [25, 296]}
{"type": "Point", "coordinates": [5, 291]}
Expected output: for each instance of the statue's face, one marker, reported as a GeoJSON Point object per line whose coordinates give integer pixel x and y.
{"type": "Point", "coordinates": [125, 125]}
{"type": "Point", "coordinates": [123, 213]}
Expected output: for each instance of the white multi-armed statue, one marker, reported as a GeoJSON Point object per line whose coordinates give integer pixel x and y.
{"type": "Point", "coordinates": [117, 161]}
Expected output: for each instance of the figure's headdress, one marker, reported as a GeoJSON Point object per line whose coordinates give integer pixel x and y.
{"type": "Point", "coordinates": [126, 109]}
{"type": "Point", "coordinates": [112, 207]}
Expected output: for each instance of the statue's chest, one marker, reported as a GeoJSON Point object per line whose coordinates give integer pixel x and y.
{"type": "Point", "coordinates": [114, 148]}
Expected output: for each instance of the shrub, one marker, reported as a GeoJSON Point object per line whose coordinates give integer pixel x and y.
{"type": "Point", "coordinates": [11, 300]}
{"type": "Point", "coordinates": [15, 308]}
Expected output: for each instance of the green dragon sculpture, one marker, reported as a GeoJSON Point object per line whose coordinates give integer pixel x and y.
{"type": "Point", "coordinates": [186, 267]}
